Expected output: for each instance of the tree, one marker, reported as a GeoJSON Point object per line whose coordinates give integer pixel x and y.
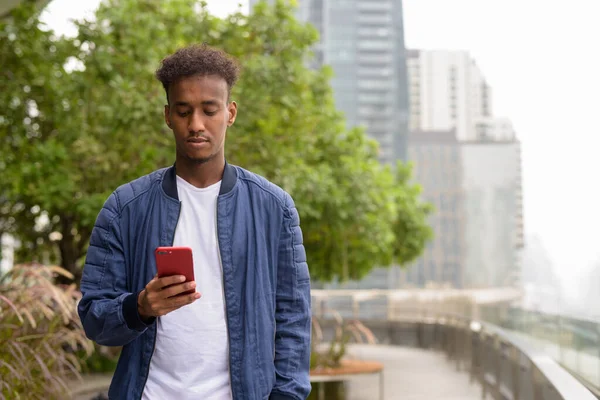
{"type": "Point", "coordinates": [31, 126]}
{"type": "Point", "coordinates": [100, 125]}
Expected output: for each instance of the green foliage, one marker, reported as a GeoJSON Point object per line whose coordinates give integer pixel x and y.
{"type": "Point", "coordinates": [99, 125]}
{"type": "Point", "coordinates": [329, 356]}
{"type": "Point", "coordinates": [39, 334]}
{"type": "Point", "coordinates": [103, 360]}
{"type": "Point", "coordinates": [411, 229]}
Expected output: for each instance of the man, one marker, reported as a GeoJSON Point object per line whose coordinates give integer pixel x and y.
{"type": "Point", "coordinates": [245, 332]}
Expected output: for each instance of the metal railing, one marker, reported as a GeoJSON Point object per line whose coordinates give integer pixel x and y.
{"type": "Point", "coordinates": [574, 342]}
{"type": "Point", "coordinates": [505, 364]}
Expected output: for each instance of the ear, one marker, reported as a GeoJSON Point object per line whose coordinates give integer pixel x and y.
{"type": "Point", "coordinates": [232, 109]}
{"type": "Point", "coordinates": [168, 115]}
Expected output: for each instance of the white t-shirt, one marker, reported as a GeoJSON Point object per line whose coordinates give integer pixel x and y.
{"type": "Point", "coordinates": [191, 357]}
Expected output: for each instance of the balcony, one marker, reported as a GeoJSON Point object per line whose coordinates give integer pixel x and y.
{"type": "Point", "coordinates": [435, 345]}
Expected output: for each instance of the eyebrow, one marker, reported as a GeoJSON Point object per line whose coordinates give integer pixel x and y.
{"type": "Point", "coordinates": [204, 103]}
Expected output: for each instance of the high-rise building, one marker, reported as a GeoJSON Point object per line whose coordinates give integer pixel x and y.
{"type": "Point", "coordinates": [436, 156]}
{"type": "Point", "coordinates": [363, 42]}
{"type": "Point", "coordinates": [494, 129]}
{"type": "Point", "coordinates": [494, 212]}
{"type": "Point", "coordinates": [448, 92]}
{"type": "Point", "coordinates": [475, 187]}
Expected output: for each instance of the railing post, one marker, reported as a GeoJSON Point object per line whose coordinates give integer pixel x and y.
{"type": "Point", "coordinates": [320, 307]}
{"type": "Point", "coordinates": [390, 308]}
{"type": "Point", "coordinates": [381, 386]}
{"type": "Point", "coordinates": [598, 343]}
{"type": "Point", "coordinates": [516, 369]}
{"type": "Point", "coordinates": [355, 308]}
{"type": "Point", "coordinates": [537, 389]}
{"type": "Point", "coordinates": [497, 365]}
{"type": "Point", "coordinates": [458, 339]}
{"type": "Point", "coordinates": [484, 355]}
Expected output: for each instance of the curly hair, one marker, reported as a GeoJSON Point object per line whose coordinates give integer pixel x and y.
{"type": "Point", "coordinates": [198, 60]}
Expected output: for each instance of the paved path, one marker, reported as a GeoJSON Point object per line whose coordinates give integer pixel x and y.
{"type": "Point", "coordinates": [412, 374]}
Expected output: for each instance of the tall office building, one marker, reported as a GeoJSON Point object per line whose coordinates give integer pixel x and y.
{"type": "Point", "coordinates": [363, 42]}
{"type": "Point", "coordinates": [494, 212]}
{"type": "Point", "coordinates": [438, 168]}
{"type": "Point", "coordinates": [478, 244]}
{"type": "Point", "coordinates": [448, 91]}
{"type": "Point", "coordinates": [475, 187]}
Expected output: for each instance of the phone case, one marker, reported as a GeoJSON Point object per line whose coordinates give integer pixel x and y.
{"type": "Point", "coordinates": [175, 261]}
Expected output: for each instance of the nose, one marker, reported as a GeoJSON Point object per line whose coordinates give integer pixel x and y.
{"type": "Point", "coordinates": [196, 123]}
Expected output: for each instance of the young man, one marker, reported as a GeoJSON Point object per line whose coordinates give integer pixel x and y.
{"type": "Point", "coordinates": [245, 332]}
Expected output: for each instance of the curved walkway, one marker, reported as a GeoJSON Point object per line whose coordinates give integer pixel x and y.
{"type": "Point", "coordinates": [411, 374]}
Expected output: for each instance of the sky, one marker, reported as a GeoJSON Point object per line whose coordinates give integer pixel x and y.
{"type": "Point", "coordinates": [542, 60]}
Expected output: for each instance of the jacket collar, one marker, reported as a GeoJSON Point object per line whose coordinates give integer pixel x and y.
{"type": "Point", "coordinates": [169, 182]}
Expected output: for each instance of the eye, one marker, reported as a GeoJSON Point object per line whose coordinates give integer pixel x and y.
{"type": "Point", "coordinates": [210, 113]}
{"type": "Point", "coordinates": [183, 113]}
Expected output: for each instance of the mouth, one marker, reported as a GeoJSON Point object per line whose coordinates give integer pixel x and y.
{"type": "Point", "coordinates": [198, 142]}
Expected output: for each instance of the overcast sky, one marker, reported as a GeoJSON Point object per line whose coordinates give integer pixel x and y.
{"type": "Point", "coordinates": [542, 60]}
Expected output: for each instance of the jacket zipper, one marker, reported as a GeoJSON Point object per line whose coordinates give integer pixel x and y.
{"type": "Point", "coordinates": [224, 297]}
{"type": "Point", "coordinates": [156, 325]}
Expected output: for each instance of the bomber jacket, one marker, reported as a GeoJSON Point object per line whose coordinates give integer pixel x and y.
{"type": "Point", "coordinates": [265, 278]}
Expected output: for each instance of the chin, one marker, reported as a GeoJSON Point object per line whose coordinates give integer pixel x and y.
{"type": "Point", "coordinates": [200, 159]}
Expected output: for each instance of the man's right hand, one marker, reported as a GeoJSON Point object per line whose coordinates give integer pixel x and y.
{"type": "Point", "coordinates": [157, 297]}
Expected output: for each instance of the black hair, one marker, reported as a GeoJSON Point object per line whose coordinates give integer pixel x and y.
{"type": "Point", "coordinates": [198, 60]}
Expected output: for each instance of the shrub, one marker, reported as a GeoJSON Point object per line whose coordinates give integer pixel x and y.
{"type": "Point", "coordinates": [329, 356]}
{"type": "Point", "coordinates": [40, 333]}
{"type": "Point", "coordinates": [102, 361]}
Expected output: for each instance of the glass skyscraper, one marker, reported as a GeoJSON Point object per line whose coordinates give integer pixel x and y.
{"type": "Point", "coordinates": [363, 42]}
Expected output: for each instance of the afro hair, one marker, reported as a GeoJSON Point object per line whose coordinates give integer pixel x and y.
{"type": "Point", "coordinates": [198, 60]}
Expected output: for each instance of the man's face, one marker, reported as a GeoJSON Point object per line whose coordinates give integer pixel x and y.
{"type": "Point", "coordinates": [198, 113]}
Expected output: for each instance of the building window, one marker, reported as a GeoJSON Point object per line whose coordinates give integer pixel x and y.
{"type": "Point", "coordinates": [373, 31]}
{"type": "Point", "coordinates": [374, 6]}
{"type": "Point", "coordinates": [374, 45]}
{"type": "Point", "coordinates": [373, 84]}
{"type": "Point", "coordinates": [376, 72]}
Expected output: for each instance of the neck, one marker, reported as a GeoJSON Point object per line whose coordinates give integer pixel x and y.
{"type": "Point", "coordinates": [201, 175]}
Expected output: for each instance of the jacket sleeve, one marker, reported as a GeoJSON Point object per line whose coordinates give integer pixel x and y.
{"type": "Point", "coordinates": [107, 310]}
{"type": "Point", "coordinates": [292, 312]}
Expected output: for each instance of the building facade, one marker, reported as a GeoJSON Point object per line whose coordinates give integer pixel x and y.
{"type": "Point", "coordinates": [493, 205]}
{"type": "Point", "coordinates": [447, 91]}
{"type": "Point", "coordinates": [363, 42]}
{"type": "Point", "coordinates": [436, 156]}
{"type": "Point", "coordinates": [476, 191]}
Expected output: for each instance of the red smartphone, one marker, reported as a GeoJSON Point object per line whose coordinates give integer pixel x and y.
{"type": "Point", "coordinates": [175, 261]}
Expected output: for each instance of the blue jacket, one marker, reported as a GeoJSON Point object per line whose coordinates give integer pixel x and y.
{"type": "Point", "coordinates": [265, 277]}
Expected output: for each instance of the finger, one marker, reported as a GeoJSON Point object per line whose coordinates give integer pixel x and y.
{"type": "Point", "coordinates": [170, 280]}
{"type": "Point", "coordinates": [180, 301]}
{"type": "Point", "coordinates": [177, 289]}
{"type": "Point", "coordinates": [153, 284]}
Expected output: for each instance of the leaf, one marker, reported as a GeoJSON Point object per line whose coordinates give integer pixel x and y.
{"type": "Point", "coordinates": [12, 306]}
{"type": "Point", "coordinates": [36, 351]}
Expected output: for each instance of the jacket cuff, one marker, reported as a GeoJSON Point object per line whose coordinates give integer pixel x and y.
{"type": "Point", "coordinates": [131, 315]}
{"type": "Point", "coordinates": [280, 396]}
